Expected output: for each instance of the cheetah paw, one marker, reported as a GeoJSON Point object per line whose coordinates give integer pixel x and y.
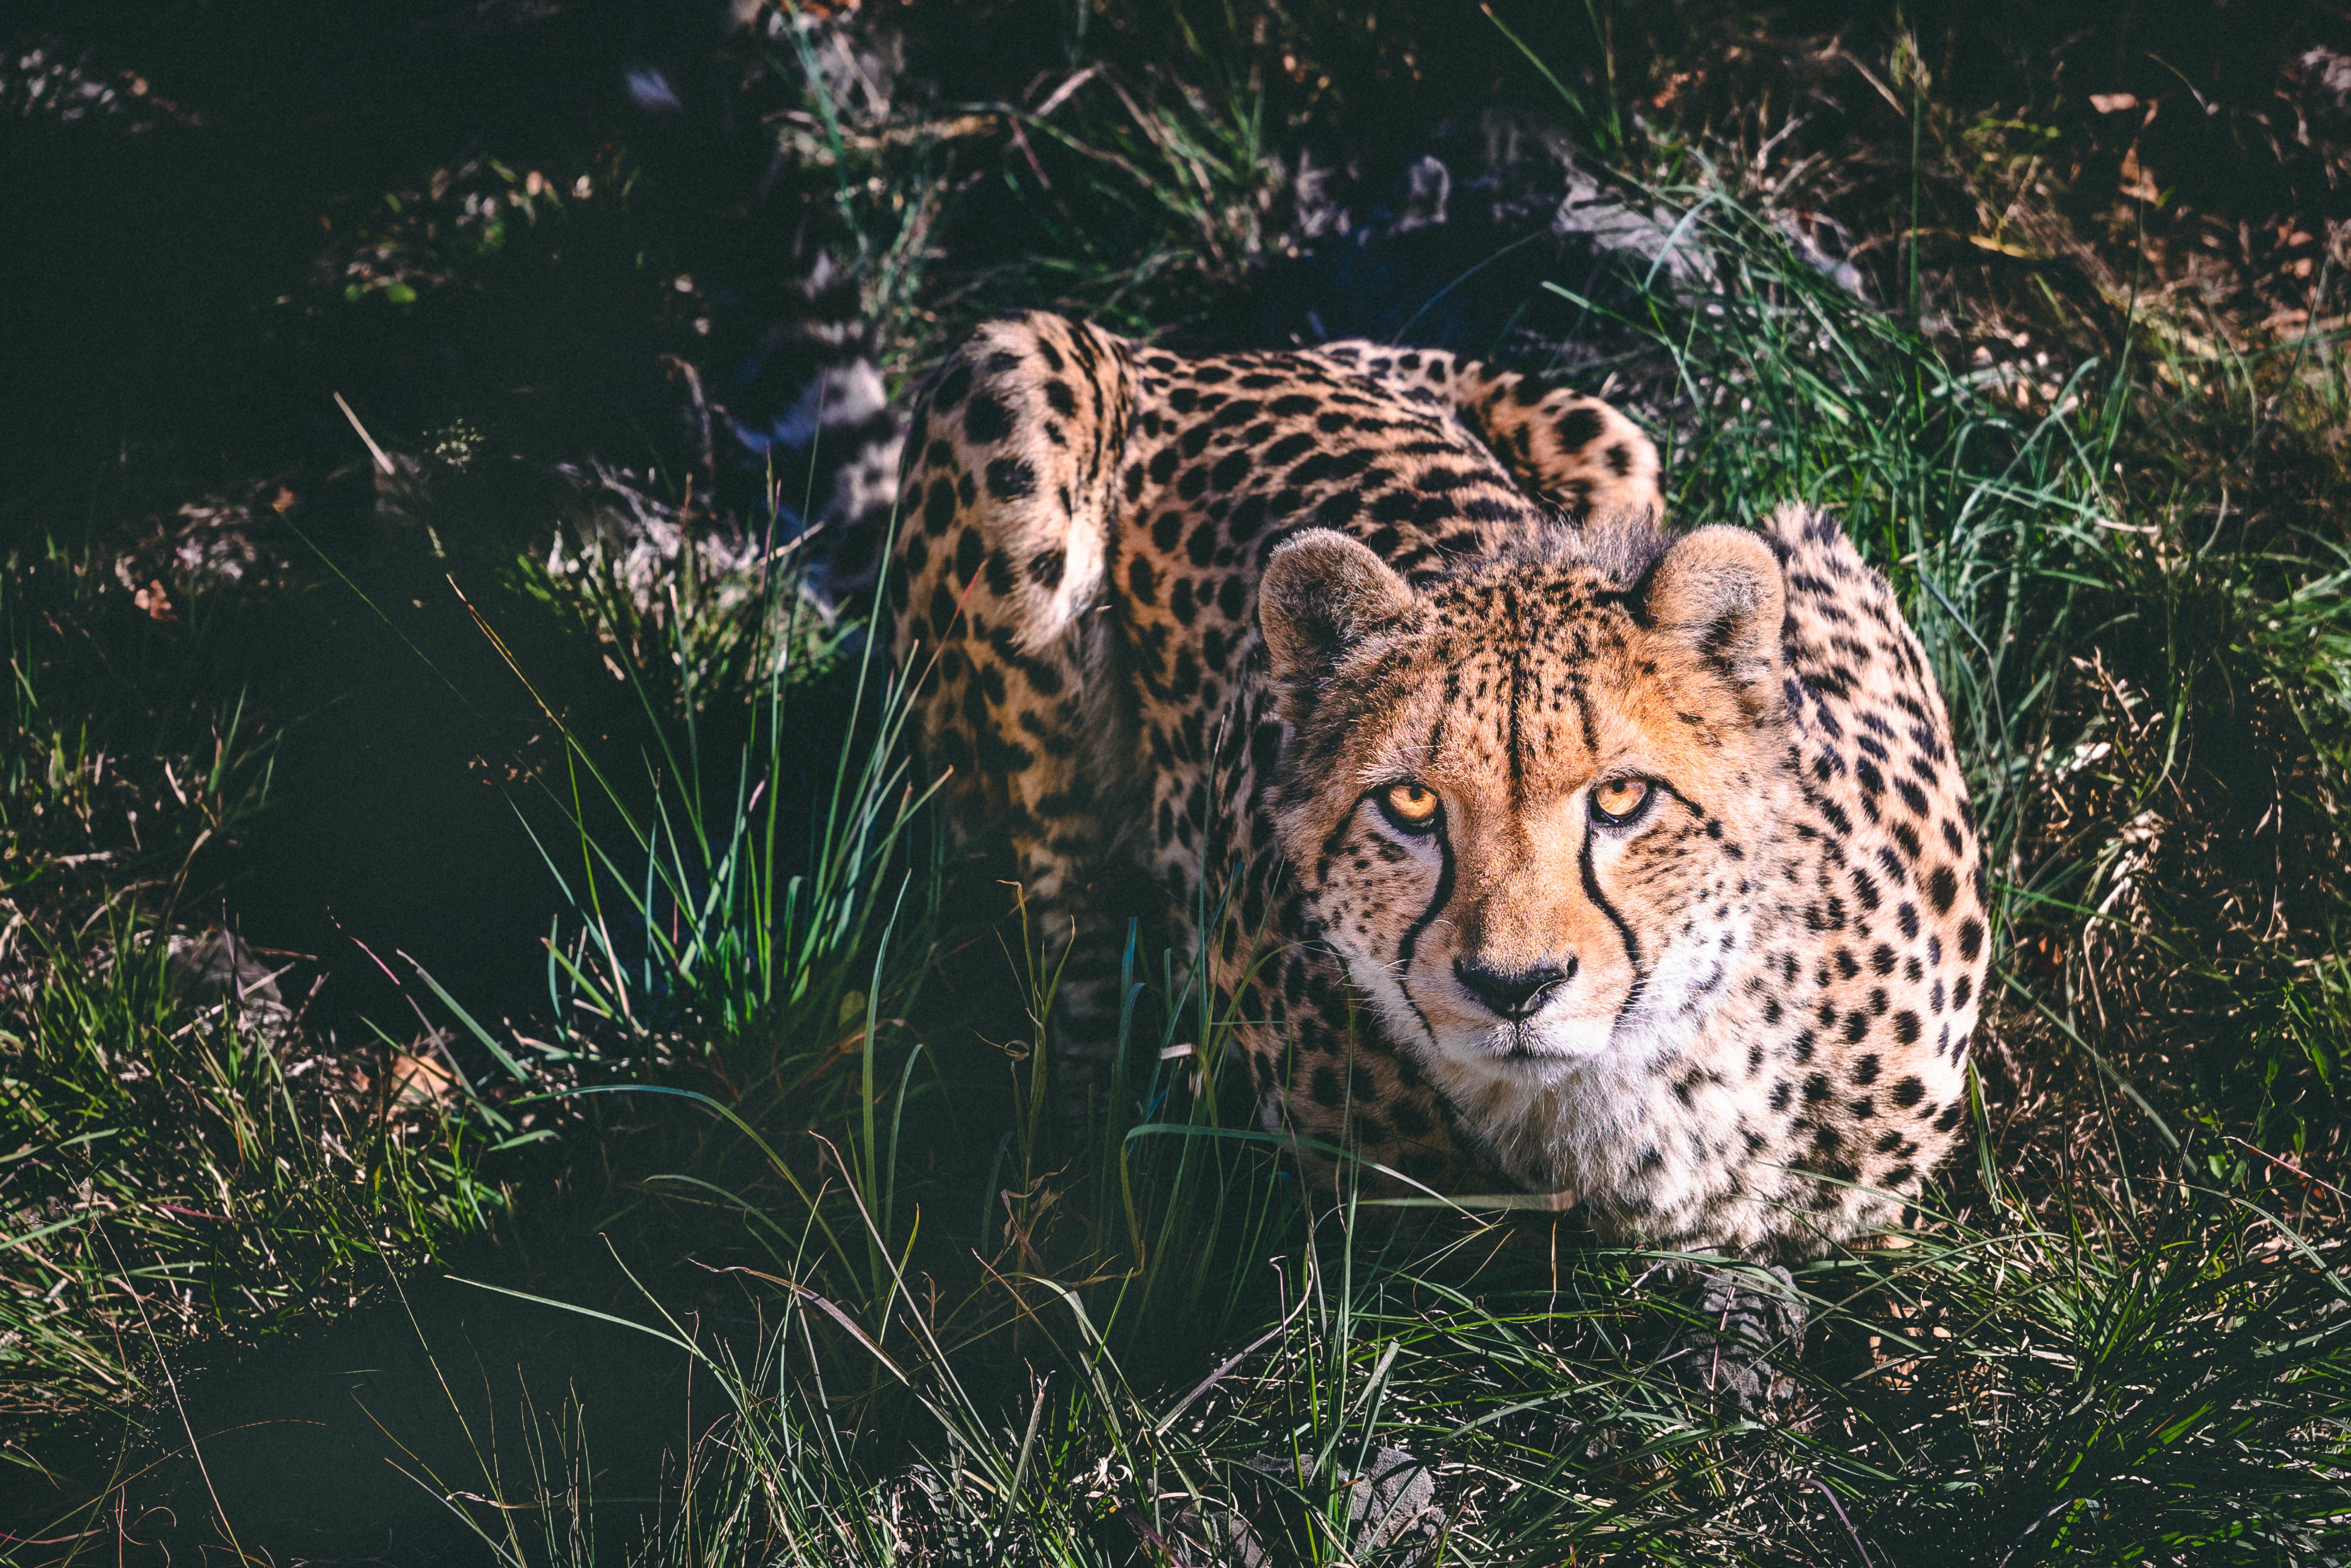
{"type": "Point", "coordinates": [1746, 1318]}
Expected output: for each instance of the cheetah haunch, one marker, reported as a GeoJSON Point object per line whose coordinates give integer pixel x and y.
{"type": "Point", "coordinates": [1591, 858]}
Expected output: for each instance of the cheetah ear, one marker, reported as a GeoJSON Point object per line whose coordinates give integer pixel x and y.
{"type": "Point", "coordinates": [1721, 590]}
{"type": "Point", "coordinates": [1322, 593]}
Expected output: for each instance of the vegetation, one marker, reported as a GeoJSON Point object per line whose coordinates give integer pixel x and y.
{"type": "Point", "coordinates": [761, 1018]}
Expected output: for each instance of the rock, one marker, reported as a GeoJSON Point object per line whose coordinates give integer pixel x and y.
{"type": "Point", "coordinates": [1391, 1509]}
{"type": "Point", "coordinates": [217, 967]}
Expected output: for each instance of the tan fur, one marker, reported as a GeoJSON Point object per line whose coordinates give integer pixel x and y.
{"type": "Point", "coordinates": [1764, 984]}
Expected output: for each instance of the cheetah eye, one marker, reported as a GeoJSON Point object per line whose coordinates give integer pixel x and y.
{"type": "Point", "coordinates": [1410, 808]}
{"type": "Point", "coordinates": [1619, 800]}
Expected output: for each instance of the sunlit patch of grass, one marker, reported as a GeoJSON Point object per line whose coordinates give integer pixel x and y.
{"type": "Point", "coordinates": [697, 622]}
{"type": "Point", "coordinates": [171, 1177]}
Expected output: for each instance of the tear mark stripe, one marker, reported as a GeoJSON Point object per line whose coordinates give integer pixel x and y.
{"type": "Point", "coordinates": [1624, 932]}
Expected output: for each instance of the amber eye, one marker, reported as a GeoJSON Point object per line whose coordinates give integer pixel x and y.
{"type": "Point", "coordinates": [1411, 807]}
{"type": "Point", "coordinates": [1619, 799]}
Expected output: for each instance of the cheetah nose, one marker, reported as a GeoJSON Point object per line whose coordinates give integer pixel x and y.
{"type": "Point", "coordinates": [1514, 994]}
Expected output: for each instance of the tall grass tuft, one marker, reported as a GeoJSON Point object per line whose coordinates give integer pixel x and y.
{"type": "Point", "coordinates": [755, 919]}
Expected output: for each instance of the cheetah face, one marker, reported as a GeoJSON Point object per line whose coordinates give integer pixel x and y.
{"type": "Point", "coordinates": [1530, 806]}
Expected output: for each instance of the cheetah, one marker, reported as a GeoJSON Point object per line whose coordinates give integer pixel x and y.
{"type": "Point", "coordinates": [1566, 853]}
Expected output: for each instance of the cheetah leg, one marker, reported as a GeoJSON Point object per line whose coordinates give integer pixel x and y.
{"type": "Point", "coordinates": [1006, 516]}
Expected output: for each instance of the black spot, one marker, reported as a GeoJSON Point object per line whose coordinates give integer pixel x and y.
{"type": "Point", "coordinates": [1337, 510]}
{"type": "Point", "coordinates": [939, 506]}
{"type": "Point", "coordinates": [1325, 1088]}
{"type": "Point", "coordinates": [1289, 447]}
{"type": "Point", "coordinates": [1009, 478]}
{"type": "Point", "coordinates": [1948, 1119]}
{"type": "Point", "coordinates": [1816, 1087]}
{"type": "Point", "coordinates": [1620, 459]}
{"type": "Point", "coordinates": [1063, 401]}
{"type": "Point", "coordinates": [1971, 937]}
{"type": "Point", "coordinates": [985, 420]}
{"type": "Point", "coordinates": [1908, 1092]}
{"type": "Point", "coordinates": [1943, 888]}
{"type": "Point", "coordinates": [951, 387]}
{"type": "Point", "coordinates": [1166, 530]}
{"type": "Point", "coordinates": [1333, 466]}
{"type": "Point", "coordinates": [1143, 580]}
{"type": "Point", "coordinates": [1905, 1026]}
{"type": "Point", "coordinates": [1202, 546]}
{"type": "Point", "coordinates": [1230, 469]}
{"type": "Point", "coordinates": [1246, 518]}
{"type": "Point", "coordinates": [1865, 1069]}
{"type": "Point", "coordinates": [1580, 427]}
{"type": "Point", "coordinates": [969, 552]}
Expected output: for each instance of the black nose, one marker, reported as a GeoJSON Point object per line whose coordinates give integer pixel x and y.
{"type": "Point", "coordinates": [1513, 993]}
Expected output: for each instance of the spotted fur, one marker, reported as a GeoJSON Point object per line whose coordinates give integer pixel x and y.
{"type": "Point", "coordinates": [1201, 613]}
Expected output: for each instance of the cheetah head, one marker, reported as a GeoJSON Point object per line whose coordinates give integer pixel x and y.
{"type": "Point", "coordinates": [1531, 801]}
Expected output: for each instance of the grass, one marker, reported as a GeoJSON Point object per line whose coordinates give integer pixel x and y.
{"type": "Point", "coordinates": [180, 1157]}
{"type": "Point", "coordinates": [943, 1330]}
